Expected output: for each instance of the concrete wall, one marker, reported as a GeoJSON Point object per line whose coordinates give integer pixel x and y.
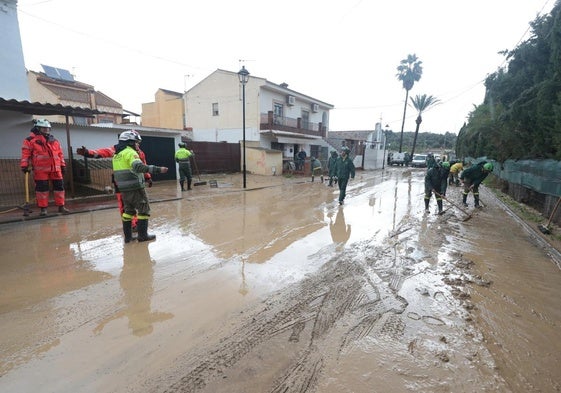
{"type": "Point", "coordinates": [263, 161]}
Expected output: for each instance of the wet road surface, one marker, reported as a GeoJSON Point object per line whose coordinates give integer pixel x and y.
{"type": "Point", "coordinates": [279, 289]}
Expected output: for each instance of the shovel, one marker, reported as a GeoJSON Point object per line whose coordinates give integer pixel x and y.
{"type": "Point", "coordinates": [468, 214]}
{"type": "Point", "coordinates": [200, 182]}
{"type": "Point", "coordinates": [26, 209]}
{"type": "Point", "coordinates": [545, 228]}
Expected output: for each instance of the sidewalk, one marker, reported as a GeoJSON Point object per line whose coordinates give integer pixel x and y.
{"type": "Point", "coordinates": [161, 191]}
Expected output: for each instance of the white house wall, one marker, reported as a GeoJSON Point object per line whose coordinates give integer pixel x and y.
{"type": "Point", "coordinates": [14, 128]}
{"type": "Point", "coordinates": [13, 81]}
{"type": "Point", "coordinates": [268, 98]}
{"type": "Point", "coordinates": [224, 88]}
{"type": "Point", "coordinates": [230, 135]}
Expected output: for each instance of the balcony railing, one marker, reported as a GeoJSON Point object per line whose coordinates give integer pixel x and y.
{"type": "Point", "coordinates": [269, 121]}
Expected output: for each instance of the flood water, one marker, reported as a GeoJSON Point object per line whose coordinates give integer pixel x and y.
{"type": "Point", "coordinates": [435, 303]}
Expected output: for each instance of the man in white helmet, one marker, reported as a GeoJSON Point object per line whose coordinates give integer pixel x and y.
{"type": "Point", "coordinates": [42, 154]}
{"type": "Point", "coordinates": [128, 171]}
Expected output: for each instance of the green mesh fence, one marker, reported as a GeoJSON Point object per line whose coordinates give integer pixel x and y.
{"type": "Point", "coordinates": [541, 176]}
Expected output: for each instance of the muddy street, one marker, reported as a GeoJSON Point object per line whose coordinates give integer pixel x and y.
{"type": "Point", "coordinates": [280, 289]}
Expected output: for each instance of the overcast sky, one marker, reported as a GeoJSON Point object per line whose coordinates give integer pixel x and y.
{"type": "Point", "coordinates": [343, 52]}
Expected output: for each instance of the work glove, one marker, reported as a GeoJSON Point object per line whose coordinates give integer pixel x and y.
{"type": "Point", "coordinates": [25, 169]}
{"type": "Point", "coordinates": [82, 151]}
{"type": "Point", "coordinates": [149, 182]}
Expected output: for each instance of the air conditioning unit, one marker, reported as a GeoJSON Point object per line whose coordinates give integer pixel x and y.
{"type": "Point", "coordinates": [315, 107]}
{"type": "Point", "coordinates": [290, 100]}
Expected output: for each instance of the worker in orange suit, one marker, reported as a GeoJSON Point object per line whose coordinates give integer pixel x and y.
{"type": "Point", "coordinates": [42, 154]}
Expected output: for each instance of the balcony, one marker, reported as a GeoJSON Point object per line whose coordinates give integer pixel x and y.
{"type": "Point", "coordinates": [271, 122]}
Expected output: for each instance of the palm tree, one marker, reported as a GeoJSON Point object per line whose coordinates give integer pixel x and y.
{"type": "Point", "coordinates": [421, 104]}
{"type": "Point", "coordinates": [409, 71]}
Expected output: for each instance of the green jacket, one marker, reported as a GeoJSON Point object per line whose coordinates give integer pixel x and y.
{"type": "Point", "coordinates": [437, 179]}
{"type": "Point", "coordinates": [345, 168]}
{"type": "Point", "coordinates": [474, 174]}
{"type": "Point", "coordinates": [332, 164]}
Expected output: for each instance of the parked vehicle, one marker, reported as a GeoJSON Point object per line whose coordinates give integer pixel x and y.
{"type": "Point", "coordinates": [398, 159]}
{"type": "Point", "coordinates": [419, 161]}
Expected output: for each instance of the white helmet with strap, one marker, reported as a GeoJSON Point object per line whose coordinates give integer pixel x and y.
{"type": "Point", "coordinates": [42, 123]}
{"type": "Point", "coordinates": [130, 135]}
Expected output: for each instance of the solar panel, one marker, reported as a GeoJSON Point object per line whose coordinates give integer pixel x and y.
{"type": "Point", "coordinates": [57, 73]}
{"type": "Point", "coordinates": [65, 74]}
{"type": "Point", "coordinates": [50, 71]}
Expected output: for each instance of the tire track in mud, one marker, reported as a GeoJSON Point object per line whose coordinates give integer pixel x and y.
{"type": "Point", "coordinates": [307, 312]}
{"type": "Point", "coordinates": [354, 295]}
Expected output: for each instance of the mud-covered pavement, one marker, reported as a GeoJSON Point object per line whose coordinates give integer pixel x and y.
{"type": "Point", "coordinates": [279, 289]}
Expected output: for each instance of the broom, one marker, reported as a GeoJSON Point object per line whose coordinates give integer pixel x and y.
{"type": "Point", "coordinates": [468, 214]}
{"type": "Point", "coordinates": [26, 209]}
{"type": "Point", "coordinates": [545, 228]}
{"type": "Point", "coordinates": [200, 182]}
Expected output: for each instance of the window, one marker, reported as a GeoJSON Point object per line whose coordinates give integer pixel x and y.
{"type": "Point", "coordinates": [80, 121]}
{"type": "Point", "coordinates": [305, 119]}
{"type": "Point", "coordinates": [215, 109]}
{"type": "Point", "coordinates": [277, 113]}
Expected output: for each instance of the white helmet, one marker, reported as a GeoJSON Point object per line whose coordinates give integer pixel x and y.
{"type": "Point", "coordinates": [130, 135]}
{"type": "Point", "coordinates": [43, 123]}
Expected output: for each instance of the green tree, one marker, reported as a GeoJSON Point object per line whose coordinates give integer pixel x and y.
{"type": "Point", "coordinates": [409, 71]}
{"type": "Point", "coordinates": [521, 113]}
{"type": "Point", "coordinates": [421, 104]}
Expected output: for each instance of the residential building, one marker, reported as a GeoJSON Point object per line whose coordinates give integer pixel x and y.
{"type": "Point", "coordinates": [57, 86]}
{"type": "Point", "coordinates": [67, 104]}
{"type": "Point", "coordinates": [278, 121]}
{"type": "Point", "coordinates": [167, 111]}
{"type": "Point", "coordinates": [368, 147]}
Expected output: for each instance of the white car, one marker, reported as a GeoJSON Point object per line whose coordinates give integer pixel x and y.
{"type": "Point", "coordinates": [419, 161]}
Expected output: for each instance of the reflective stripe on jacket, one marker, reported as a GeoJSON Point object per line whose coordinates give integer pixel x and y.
{"type": "Point", "coordinates": [128, 170]}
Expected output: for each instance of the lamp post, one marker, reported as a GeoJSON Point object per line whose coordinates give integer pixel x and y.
{"type": "Point", "coordinates": [243, 74]}
{"type": "Point", "coordinates": [387, 129]}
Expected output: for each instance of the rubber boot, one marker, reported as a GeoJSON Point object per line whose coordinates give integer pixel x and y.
{"type": "Point", "coordinates": [189, 181]}
{"type": "Point", "coordinates": [43, 211]}
{"type": "Point", "coordinates": [63, 210]}
{"type": "Point", "coordinates": [127, 230]}
{"type": "Point", "coordinates": [312, 179]}
{"type": "Point", "coordinates": [427, 204]}
{"type": "Point", "coordinates": [476, 201]}
{"type": "Point", "coordinates": [439, 203]}
{"type": "Point", "coordinates": [464, 200]}
{"type": "Point", "coordinates": [143, 235]}
{"type": "Point", "coordinates": [182, 182]}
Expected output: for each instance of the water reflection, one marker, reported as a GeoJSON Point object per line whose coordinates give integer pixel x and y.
{"type": "Point", "coordinates": [136, 281]}
{"type": "Point", "coordinates": [243, 286]}
{"type": "Point", "coordinates": [340, 230]}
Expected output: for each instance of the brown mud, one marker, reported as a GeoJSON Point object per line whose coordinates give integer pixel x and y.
{"type": "Point", "coordinates": [279, 289]}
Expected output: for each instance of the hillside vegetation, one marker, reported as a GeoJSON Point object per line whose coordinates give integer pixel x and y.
{"type": "Point", "coordinates": [520, 117]}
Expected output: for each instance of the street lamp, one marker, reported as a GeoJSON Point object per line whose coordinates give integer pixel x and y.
{"type": "Point", "coordinates": [243, 74]}
{"type": "Point", "coordinates": [386, 131]}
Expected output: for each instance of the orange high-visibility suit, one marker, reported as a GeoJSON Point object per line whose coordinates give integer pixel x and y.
{"type": "Point", "coordinates": [42, 153]}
